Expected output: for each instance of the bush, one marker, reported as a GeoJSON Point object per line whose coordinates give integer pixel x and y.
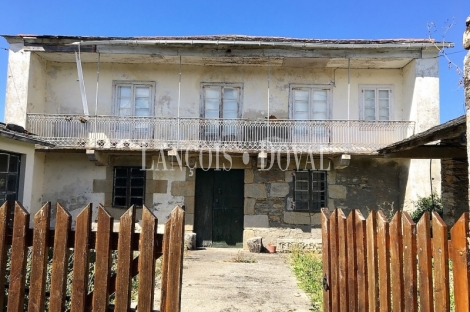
{"type": "Point", "coordinates": [427, 204]}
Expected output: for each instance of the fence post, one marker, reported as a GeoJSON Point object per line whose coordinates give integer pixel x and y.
{"type": "Point", "coordinates": [361, 254]}
{"type": "Point", "coordinates": [423, 229]}
{"type": "Point", "coordinates": [334, 266]}
{"type": "Point", "coordinates": [325, 228]}
{"type": "Point", "coordinates": [409, 263]}
{"type": "Point", "coordinates": [343, 261]}
{"type": "Point", "coordinates": [383, 261]}
{"type": "Point", "coordinates": [352, 261]}
{"type": "Point", "coordinates": [19, 255]}
{"type": "Point", "coordinates": [441, 263]}
{"type": "Point", "coordinates": [372, 274]}
{"type": "Point", "coordinates": [396, 262]}
{"type": "Point", "coordinates": [461, 262]}
{"type": "Point", "coordinates": [60, 260]}
{"type": "Point", "coordinates": [4, 215]}
{"type": "Point", "coordinates": [37, 285]}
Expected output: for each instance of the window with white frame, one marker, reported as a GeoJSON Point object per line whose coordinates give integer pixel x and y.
{"type": "Point", "coordinates": [221, 101]}
{"type": "Point", "coordinates": [134, 98]}
{"type": "Point", "coordinates": [310, 190]}
{"type": "Point", "coordinates": [376, 102]}
{"type": "Point", "coordinates": [310, 102]}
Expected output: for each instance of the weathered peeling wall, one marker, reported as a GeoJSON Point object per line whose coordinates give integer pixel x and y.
{"type": "Point", "coordinates": [27, 183]}
{"type": "Point", "coordinates": [37, 84]}
{"type": "Point", "coordinates": [454, 189]}
{"type": "Point", "coordinates": [63, 93]}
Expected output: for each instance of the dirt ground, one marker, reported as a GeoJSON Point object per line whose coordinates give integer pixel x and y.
{"type": "Point", "coordinates": [212, 281]}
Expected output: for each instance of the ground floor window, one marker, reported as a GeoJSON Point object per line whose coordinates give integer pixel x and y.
{"type": "Point", "coordinates": [310, 190]}
{"type": "Point", "coordinates": [128, 187]}
{"type": "Point", "coordinates": [9, 176]}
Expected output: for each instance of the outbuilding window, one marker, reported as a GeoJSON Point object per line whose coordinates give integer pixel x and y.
{"type": "Point", "coordinates": [128, 187]}
{"type": "Point", "coordinates": [310, 190]}
{"type": "Point", "coordinates": [376, 102]}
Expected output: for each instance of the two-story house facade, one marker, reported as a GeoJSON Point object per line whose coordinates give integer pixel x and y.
{"type": "Point", "coordinates": [252, 134]}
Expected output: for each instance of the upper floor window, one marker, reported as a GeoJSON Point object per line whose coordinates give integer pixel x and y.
{"type": "Point", "coordinates": [309, 102]}
{"type": "Point", "coordinates": [221, 100]}
{"type": "Point", "coordinates": [134, 98]}
{"type": "Point", "coordinates": [376, 102]}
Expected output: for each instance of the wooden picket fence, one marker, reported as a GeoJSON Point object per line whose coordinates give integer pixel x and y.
{"type": "Point", "coordinates": [82, 241]}
{"type": "Point", "coordinates": [397, 265]}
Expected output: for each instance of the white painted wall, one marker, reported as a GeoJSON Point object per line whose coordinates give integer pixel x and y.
{"type": "Point", "coordinates": [27, 182]}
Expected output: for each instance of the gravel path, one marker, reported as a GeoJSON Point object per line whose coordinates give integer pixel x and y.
{"type": "Point", "coordinates": [213, 282]}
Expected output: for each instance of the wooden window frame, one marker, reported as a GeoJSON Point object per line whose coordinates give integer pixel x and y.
{"type": "Point", "coordinates": [311, 190]}
{"type": "Point", "coordinates": [312, 87]}
{"type": "Point", "coordinates": [376, 87]}
{"type": "Point", "coordinates": [133, 84]}
{"type": "Point", "coordinates": [221, 85]}
{"type": "Point", "coordinates": [128, 187]}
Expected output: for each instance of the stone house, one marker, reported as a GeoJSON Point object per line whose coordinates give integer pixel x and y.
{"type": "Point", "coordinates": [253, 135]}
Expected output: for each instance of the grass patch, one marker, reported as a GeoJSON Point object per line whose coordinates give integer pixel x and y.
{"type": "Point", "coordinates": [308, 269]}
{"type": "Point", "coordinates": [241, 258]}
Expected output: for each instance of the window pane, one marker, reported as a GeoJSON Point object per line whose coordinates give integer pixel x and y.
{"type": "Point", "coordinates": [120, 172]}
{"type": "Point", "coordinates": [369, 114]}
{"type": "Point", "coordinates": [137, 191]}
{"type": "Point", "coordinates": [120, 182]}
{"type": "Point", "coordinates": [120, 191]}
{"type": "Point", "coordinates": [14, 163]}
{"type": "Point", "coordinates": [12, 183]}
{"type": "Point", "coordinates": [369, 94]}
{"type": "Point", "coordinates": [319, 95]}
{"type": "Point", "coordinates": [124, 91]}
{"type": "Point", "coordinates": [142, 112]}
{"type": "Point", "coordinates": [119, 202]}
{"type": "Point", "coordinates": [137, 172]}
{"type": "Point", "coordinates": [212, 93]}
{"type": "Point", "coordinates": [142, 103]}
{"type": "Point", "coordinates": [3, 182]}
{"type": "Point", "coordinates": [142, 92]}
{"type": "Point", "coordinates": [137, 201]}
{"type": "Point", "coordinates": [384, 94]}
{"type": "Point", "coordinates": [300, 106]}
{"type": "Point", "coordinates": [137, 182]}
{"type": "Point", "coordinates": [3, 162]}
{"type": "Point", "coordinates": [212, 114]}
{"type": "Point", "coordinates": [230, 94]}
{"type": "Point", "coordinates": [301, 95]}
{"type": "Point", "coordinates": [212, 104]}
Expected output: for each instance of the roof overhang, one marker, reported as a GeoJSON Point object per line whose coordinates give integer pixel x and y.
{"type": "Point", "coordinates": [23, 138]}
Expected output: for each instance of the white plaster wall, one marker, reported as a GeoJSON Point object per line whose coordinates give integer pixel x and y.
{"type": "Point", "coordinates": [37, 84]}
{"type": "Point", "coordinates": [68, 179]}
{"type": "Point", "coordinates": [63, 93]}
{"type": "Point", "coordinates": [27, 182]}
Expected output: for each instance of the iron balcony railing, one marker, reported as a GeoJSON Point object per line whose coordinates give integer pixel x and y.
{"type": "Point", "coordinates": [235, 135]}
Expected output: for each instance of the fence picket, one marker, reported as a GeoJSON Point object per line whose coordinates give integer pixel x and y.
{"type": "Point", "coordinates": [164, 278]}
{"type": "Point", "coordinates": [361, 256]}
{"type": "Point", "coordinates": [343, 261]}
{"type": "Point", "coordinates": [334, 255]}
{"type": "Point", "coordinates": [40, 251]}
{"type": "Point", "coordinates": [383, 257]}
{"type": "Point", "coordinates": [125, 255]}
{"type": "Point", "coordinates": [425, 263]}
{"type": "Point", "coordinates": [19, 255]}
{"type": "Point", "coordinates": [60, 260]}
{"type": "Point", "coordinates": [372, 274]}
{"type": "Point", "coordinates": [352, 262]}
{"type": "Point", "coordinates": [80, 260]}
{"type": "Point", "coordinates": [103, 266]}
{"type": "Point", "coordinates": [147, 245]}
{"type": "Point", "coordinates": [4, 216]}
{"type": "Point", "coordinates": [461, 262]}
{"type": "Point", "coordinates": [441, 263]}
{"type": "Point", "coordinates": [396, 262]}
{"type": "Point", "coordinates": [175, 260]}
{"type": "Point", "coordinates": [325, 225]}
{"type": "Point", "coordinates": [409, 263]}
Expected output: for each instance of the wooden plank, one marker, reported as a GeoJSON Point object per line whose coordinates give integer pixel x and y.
{"type": "Point", "coordinates": [19, 255]}
{"type": "Point", "coordinates": [409, 263]}
{"type": "Point", "coordinates": [164, 278]}
{"type": "Point", "coordinates": [461, 263]}
{"type": "Point", "coordinates": [80, 260]}
{"type": "Point", "coordinates": [352, 261]}
{"type": "Point", "coordinates": [147, 260]}
{"type": "Point", "coordinates": [343, 261]}
{"type": "Point", "coordinates": [361, 256]}
{"type": "Point", "coordinates": [334, 266]}
{"type": "Point", "coordinates": [103, 260]}
{"type": "Point", "coordinates": [372, 265]}
{"type": "Point", "coordinates": [383, 244]}
{"type": "Point", "coordinates": [423, 234]}
{"type": "Point", "coordinates": [325, 228]}
{"type": "Point", "coordinates": [125, 255]}
{"type": "Point", "coordinates": [4, 215]}
{"type": "Point", "coordinates": [37, 284]}
{"type": "Point", "coordinates": [396, 262]}
{"type": "Point", "coordinates": [175, 260]}
{"type": "Point", "coordinates": [60, 260]}
{"type": "Point", "coordinates": [441, 263]}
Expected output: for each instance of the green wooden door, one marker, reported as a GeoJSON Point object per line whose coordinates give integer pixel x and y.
{"type": "Point", "coordinates": [219, 208]}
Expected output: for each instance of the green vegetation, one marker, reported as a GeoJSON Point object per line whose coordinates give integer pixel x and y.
{"type": "Point", "coordinates": [241, 258]}
{"type": "Point", "coordinates": [429, 203]}
{"type": "Point", "coordinates": [308, 269]}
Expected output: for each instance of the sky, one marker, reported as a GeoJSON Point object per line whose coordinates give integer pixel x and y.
{"type": "Point", "coordinates": [334, 19]}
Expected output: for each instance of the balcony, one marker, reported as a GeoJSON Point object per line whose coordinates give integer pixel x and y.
{"type": "Point", "coordinates": [231, 135]}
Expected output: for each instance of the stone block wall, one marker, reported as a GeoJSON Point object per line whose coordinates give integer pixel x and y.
{"type": "Point", "coordinates": [454, 188]}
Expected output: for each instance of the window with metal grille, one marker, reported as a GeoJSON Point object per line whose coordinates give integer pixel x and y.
{"type": "Point", "coordinates": [9, 176]}
{"type": "Point", "coordinates": [310, 190]}
{"type": "Point", "coordinates": [128, 187]}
